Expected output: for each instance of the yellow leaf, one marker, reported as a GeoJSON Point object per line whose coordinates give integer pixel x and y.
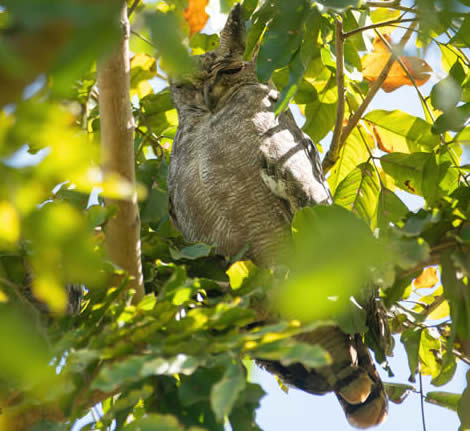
{"type": "Point", "coordinates": [9, 223]}
{"type": "Point", "coordinates": [48, 290]}
{"type": "Point", "coordinates": [373, 63]}
{"type": "Point", "coordinates": [440, 312]}
{"type": "Point", "coordinates": [195, 15]}
{"type": "Point", "coordinates": [3, 297]}
{"type": "Point", "coordinates": [428, 278]}
{"type": "Point", "coordinates": [143, 68]}
{"type": "Point", "coordinates": [238, 272]}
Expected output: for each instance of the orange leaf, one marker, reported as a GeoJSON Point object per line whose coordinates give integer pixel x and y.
{"type": "Point", "coordinates": [428, 278]}
{"type": "Point", "coordinates": [195, 15]}
{"type": "Point", "coordinates": [373, 63]}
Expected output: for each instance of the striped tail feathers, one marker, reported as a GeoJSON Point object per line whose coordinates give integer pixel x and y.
{"type": "Point", "coordinates": [352, 376]}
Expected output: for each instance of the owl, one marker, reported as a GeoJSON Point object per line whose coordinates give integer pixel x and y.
{"type": "Point", "coordinates": [237, 175]}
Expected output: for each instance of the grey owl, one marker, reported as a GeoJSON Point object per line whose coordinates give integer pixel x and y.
{"type": "Point", "coordinates": [237, 175]}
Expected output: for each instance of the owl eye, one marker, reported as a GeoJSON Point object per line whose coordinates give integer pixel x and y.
{"type": "Point", "coordinates": [232, 70]}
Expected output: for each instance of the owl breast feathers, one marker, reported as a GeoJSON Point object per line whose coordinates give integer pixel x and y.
{"type": "Point", "coordinates": [237, 175]}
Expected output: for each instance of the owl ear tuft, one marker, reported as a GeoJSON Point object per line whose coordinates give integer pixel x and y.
{"type": "Point", "coordinates": [232, 42]}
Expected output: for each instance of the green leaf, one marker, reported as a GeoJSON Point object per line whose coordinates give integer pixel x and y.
{"type": "Point", "coordinates": [407, 170]}
{"type": "Point", "coordinates": [155, 422]}
{"type": "Point", "coordinates": [202, 43]}
{"type": "Point", "coordinates": [397, 392]}
{"type": "Point", "coordinates": [359, 192]}
{"type": "Point", "coordinates": [300, 61]}
{"type": "Point", "coordinates": [191, 252]}
{"type": "Point", "coordinates": [448, 367]}
{"type": "Point", "coordinates": [313, 356]}
{"type": "Point", "coordinates": [155, 206]}
{"type": "Point", "coordinates": [315, 289]}
{"type": "Point", "coordinates": [403, 132]}
{"type": "Point", "coordinates": [444, 399]}
{"type": "Point", "coordinates": [390, 209]}
{"type": "Point", "coordinates": [97, 215]}
{"type": "Point", "coordinates": [225, 393]}
{"type": "Point", "coordinates": [428, 346]}
{"type": "Point", "coordinates": [166, 34]}
{"type": "Point", "coordinates": [282, 38]}
{"type": "Point", "coordinates": [454, 119]}
{"type": "Point", "coordinates": [411, 340]}
{"type": "Point", "coordinates": [352, 154]}
{"type": "Point", "coordinates": [462, 406]}
{"type": "Point", "coordinates": [320, 119]}
{"type": "Point", "coordinates": [239, 272]}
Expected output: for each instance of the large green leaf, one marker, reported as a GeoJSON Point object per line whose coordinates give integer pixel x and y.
{"type": "Point", "coordinates": [282, 38]}
{"type": "Point", "coordinates": [359, 192]}
{"type": "Point", "coordinates": [224, 393]}
{"type": "Point", "coordinates": [155, 422]}
{"type": "Point", "coordinates": [403, 132]}
{"type": "Point", "coordinates": [407, 170]}
{"type": "Point", "coordinates": [351, 155]}
{"type": "Point", "coordinates": [390, 208]}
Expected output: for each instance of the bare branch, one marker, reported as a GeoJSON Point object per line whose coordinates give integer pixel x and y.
{"type": "Point", "coordinates": [332, 154]}
{"type": "Point", "coordinates": [117, 140]}
{"type": "Point", "coordinates": [394, 4]}
{"type": "Point", "coordinates": [377, 25]}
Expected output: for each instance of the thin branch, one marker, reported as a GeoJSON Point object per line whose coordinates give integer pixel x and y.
{"type": "Point", "coordinates": [332, 154]}
{"type": "Point", "coordinates": [122, 232]}
{"type": "Point", "coordinates": [377, 25]}
{"type": "Point", "coordinates": [395, 4]}
{"type": "Point", "coordinates": [421, 395]}
{"type": "Point", "coordinates": [146, 40]}
{"type": "Point", "coordinates": [132, 9]}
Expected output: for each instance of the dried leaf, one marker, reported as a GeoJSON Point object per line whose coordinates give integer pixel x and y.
{"type": "Point", "coordinates": [195, 15]}
{"type": "Point", "coordinates": [428, 278]}
{"type": "Point", "coordinates": [372, 65]}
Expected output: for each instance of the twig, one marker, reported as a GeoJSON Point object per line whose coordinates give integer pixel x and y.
{"type": "Point", "coordinates": [377, 25]}
{"type": "Point", "coordinates": [332, 154]}
{"type": "Point", "coordinates": [146, 40]}
{"type": "Point", "coordinates": [131, 10]}
{"type": "Point", "coordinates": [395, 4]}
{"type": "Point", "coordinates": [421, 395]}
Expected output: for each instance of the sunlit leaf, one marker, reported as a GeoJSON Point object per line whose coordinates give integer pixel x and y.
{"type": "Point", "coordinates": [402, 132]}
{"type": "Point", "coordinates": [444, 399]}
{"type": "Point", "coordinates": [238, 272]}
{"type": "Point", "coordinates": [195, 15]}
{"type": "Point", "coordinates": [359, 192]}
{"type": "Point", "coordinates": [373, 63]}
{"type": "Point", "coordinates": [155, 422]}
{"type": "Point", "coordinates": [427, 278]}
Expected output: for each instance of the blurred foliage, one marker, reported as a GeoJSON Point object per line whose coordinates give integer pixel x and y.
{"type": "Point", "coordinates": [176, 361]}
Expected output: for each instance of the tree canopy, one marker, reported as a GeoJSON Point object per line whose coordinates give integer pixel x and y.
{"type": "Point", "coordinates": [175, 357]}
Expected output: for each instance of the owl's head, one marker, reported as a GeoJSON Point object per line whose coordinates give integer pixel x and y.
{"type": "Point", "coordinates": [218, 73]}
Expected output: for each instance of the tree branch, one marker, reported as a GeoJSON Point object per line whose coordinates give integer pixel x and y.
{"type": "Point", "coordinates": [331, 158]}
{"type": "Point", "coordinates": [332, 154]}
{"type": "Point", "coordinates": [377, 25]}
{"type": "Point", "coordinates": [393, 4]}
{"type": "Point", "coordinates": [122, 232]}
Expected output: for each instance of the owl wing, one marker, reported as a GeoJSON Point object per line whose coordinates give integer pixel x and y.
{"type": "Point", "coordinates": [290, 166]}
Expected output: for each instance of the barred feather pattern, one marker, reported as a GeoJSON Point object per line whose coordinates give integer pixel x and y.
{"type": "Point", "coordinates": [237, 175]}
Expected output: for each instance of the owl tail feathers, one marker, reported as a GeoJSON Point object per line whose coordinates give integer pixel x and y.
{"type": "Point", "coordinates": [351, 376]}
